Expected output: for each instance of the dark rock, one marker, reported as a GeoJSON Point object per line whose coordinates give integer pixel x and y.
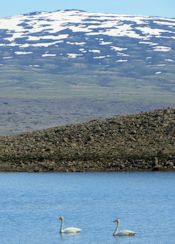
{"type": "Point", "coordinates": [145, 141]}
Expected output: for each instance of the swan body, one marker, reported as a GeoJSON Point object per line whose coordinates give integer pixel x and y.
{"type": "Point", "coordinates": [69, 230]}
{"type": "Point", "coordinates": [123, 232]}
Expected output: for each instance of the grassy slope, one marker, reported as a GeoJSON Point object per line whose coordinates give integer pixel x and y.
{"type": "Point", "coordinates": [100, 83]}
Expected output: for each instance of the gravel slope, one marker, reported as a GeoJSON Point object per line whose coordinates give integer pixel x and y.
{"type": "Point", "coordinates": [144, 141]}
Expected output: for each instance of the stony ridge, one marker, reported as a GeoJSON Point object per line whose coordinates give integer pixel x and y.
{"type": "Point", "coordinates": [144, 141]}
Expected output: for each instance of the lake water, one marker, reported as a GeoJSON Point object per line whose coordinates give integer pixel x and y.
{"type": "Point", "coordinates": [31, 203]}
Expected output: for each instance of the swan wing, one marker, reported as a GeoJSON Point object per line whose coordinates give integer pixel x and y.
{"type": "Point", "coordinates": [71, 230]}
{"type": "Point", "coordinates": [128, 232]}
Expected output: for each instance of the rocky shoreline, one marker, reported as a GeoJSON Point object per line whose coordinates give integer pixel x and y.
{"type": "Point", "coordinates": [141, 142]}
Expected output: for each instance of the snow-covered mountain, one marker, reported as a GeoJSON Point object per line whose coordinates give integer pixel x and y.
{"type": "Point", "coordinates": [95, 49]}
{"type": "Point", "coordinates": [75, 54]}
{"type": "Point", "coordinates": [93, 36]}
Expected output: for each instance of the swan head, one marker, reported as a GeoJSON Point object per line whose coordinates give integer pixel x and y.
{"type": "Point", "coordinates": [117, 221]}
{"type": "Point", "coordinates": [61, 218]}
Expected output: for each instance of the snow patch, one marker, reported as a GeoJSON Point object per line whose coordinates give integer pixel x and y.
{"type": "Point", "coordinates": [40, 44]}
{"type": "Point", "coordinates": [118, 48]}
{"type": "Point", "coordinates": [82, 50]}
{"type": "Point", "coordinates": [169, 60]}
{"type": "Point", "coordinates": [7, 57]}
{"type": "Point", "coordinates": [161, 65]}
{"type": "Point", "coordinates": [148, 43]}
{"type": "Point", "coordinates": [48, 55]}
{"type": "Point", "coordinates": [105, 43]}
{"type": "Point", "coordinates": [121, 61]}
{"type": "Point", "coordinates": [122, 54]}
{"type": "Point", "coordinates": [169, 23]}
{"type": "Point", "coordinates": [161, 49]}
{"type": "Point", "coordinates": [152, 32]}
{"type": "Point", "coordinates": [47, 37]}
{"type": "Point", "coordinates": [94, 51]}
{"type": "Point", "coordinates": [77, 43]}
{"type": "Point", "coordinates": [100, 57]}
{"type": "Point", "coordinates": [73, 55]}
{"type": "Point", "coordinates": [23, 53]}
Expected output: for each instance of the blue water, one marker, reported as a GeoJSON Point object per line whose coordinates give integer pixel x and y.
{"type": "Point", "coordinates": [31, 203]}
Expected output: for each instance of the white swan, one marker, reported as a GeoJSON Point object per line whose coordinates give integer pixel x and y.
{"type": "Point", "coordinates": [123, 232]}
{"type": "Point", "coordinates": [69, 230]}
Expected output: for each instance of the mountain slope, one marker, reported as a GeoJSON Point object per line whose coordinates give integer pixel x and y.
{"type": "Point", "coordinates": [144, 141]}
{"type": "Point", "coordinates": [70, 55]}
{"type": "Point", "coordinates": [86, 54]}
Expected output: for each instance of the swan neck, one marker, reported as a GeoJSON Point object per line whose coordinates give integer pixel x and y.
{"type": "Point", "coordinates": [116, 229]}
{"type": "Point", "coordinates": [61, 226]}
